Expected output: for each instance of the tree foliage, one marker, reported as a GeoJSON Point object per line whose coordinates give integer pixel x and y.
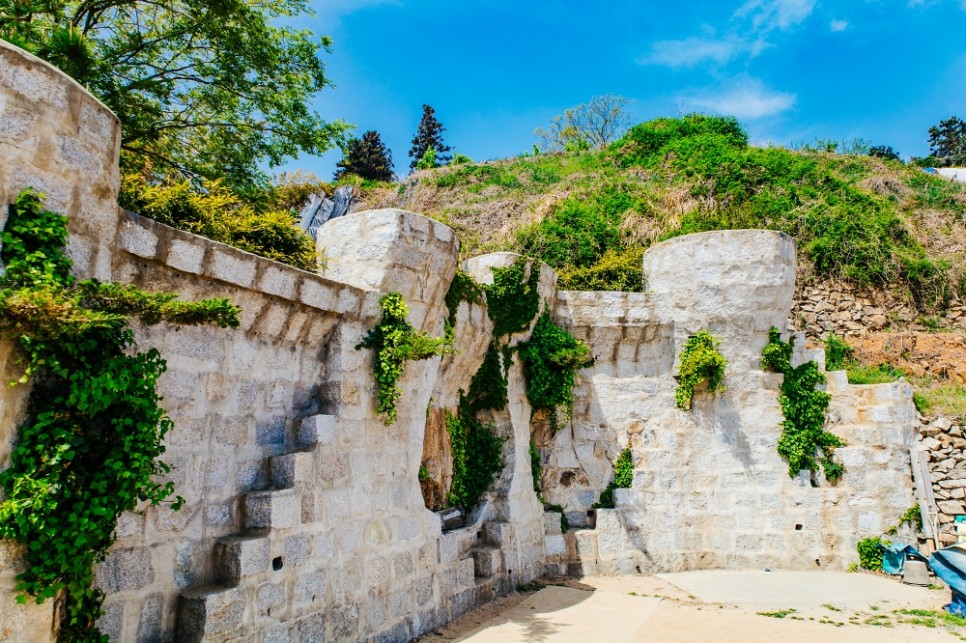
{"type": "Point", "coordinates": [366, 157]}
{"type": "Point", "coordinates": [947, 142]}
{"type": "Point", "coordinates": [591, 125]}
{"type": "Point", "coordinates": [428, 137]}
{"type": "Point", "coordinates": [213, 89]}
{"type": "Point", "coordinates": [884, 152]}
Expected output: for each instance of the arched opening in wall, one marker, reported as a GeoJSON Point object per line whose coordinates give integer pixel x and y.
{"type": "Point", "coordinates": [436, 462]}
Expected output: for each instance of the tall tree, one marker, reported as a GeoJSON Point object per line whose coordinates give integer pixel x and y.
{"type": "Point", "coordinates": [884, 152]}
{"type": "Point", "coordinates": [429, 136]}
{"type": "Point", "coordinates": [366, 157]}
{"type": "Point", "coordinates": [947, 142]}
{"type": "Point", "coordinates": [203, 88]}
{"type": "Point", "coordinates": [589, 126]}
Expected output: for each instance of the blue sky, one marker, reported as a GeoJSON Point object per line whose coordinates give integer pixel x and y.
{"type": "Point", "coordinates": [790, 70]}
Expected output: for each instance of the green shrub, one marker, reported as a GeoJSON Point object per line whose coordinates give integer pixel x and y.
{"type": "Point", "coordinates": [616, 270]}
{"type": "Point", "coordinates": [91, 444]}
{"type": "Point", "coordinates": [214, 211]}
{"type": "Point", "coordinates": [395, 342]}
{"type": "Point", "coordinates": [803, 430]}
{"type": "Point", "coordinates": [623, 478]}
{"type": "Point", "coordinates": [870, 553]}
{"type": "Point", "coordinates": [700, 363]}
{"type": "Point", "coordinates": [838, 354]}
{"type": "Point", "coordinates": [581, 229]}
{"type": "Point", "coordinates": [551, 358]}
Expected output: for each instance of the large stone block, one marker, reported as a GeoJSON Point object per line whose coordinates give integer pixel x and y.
{"type": "Point", "coordinates": [277, 509]}
{"type": "Point", "coordinates": [238, 557]}
{"type": "Point", "coordinates": [209, 612]}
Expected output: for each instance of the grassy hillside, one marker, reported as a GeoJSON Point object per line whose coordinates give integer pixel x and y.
{"type": "Point", "coordinates": [590, 215]}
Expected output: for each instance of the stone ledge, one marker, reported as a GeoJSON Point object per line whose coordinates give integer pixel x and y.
{"type": "Point", "coordinates": [185, 252]}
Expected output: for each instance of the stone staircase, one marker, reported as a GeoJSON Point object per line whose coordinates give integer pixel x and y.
{"type": "Point", "coordinates": [246, 589]}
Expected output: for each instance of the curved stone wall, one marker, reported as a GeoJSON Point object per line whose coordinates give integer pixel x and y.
{"type": "Point", "coordinates": [304, 518]}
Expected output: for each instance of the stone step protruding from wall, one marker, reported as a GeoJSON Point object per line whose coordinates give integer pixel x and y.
{"type": "Point", "coordinates": [487, 561]}
{"type": "Point", "coordinates": [208, 611]}
{"type": "Point", "coordinates": [315, 430]}
{"type": "Point", "coordinates": [240, 556]}
{"type": "Point", "coordinates": [273, 509]}
{"type": "Point", "coordinates": [497, 533]}
{"type": "Point", "coordinates": [292, 469]}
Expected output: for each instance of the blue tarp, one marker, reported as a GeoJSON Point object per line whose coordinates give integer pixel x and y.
{"type": "Point", "coordinates": [949, 564]}
{"type": "Point", "coordinates": [894, 557]}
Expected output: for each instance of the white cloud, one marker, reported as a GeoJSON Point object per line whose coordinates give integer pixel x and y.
{"type": "Point", "coordinates": [838, 25]}
{"type": "Point", "coordinates": [691, 51]}
{"type": "Point", "coordinates": [776, 14]}
{"type": "Point", "coordinates": [744, 98]}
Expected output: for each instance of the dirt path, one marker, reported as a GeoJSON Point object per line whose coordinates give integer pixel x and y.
{"type": "Point", "coordinates": [713, 606]}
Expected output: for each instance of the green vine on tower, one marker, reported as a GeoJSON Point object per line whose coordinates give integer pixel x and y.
{"type": "Point", "coordinates": [623, 478]}
{"type": "Point", "coordinates": [89, 449]}
{"type": "Point", "coordinates": [395, 342]}
{"type": "Point", "coordinates": [803, 432]}
{"type": "Point", "coordinates": [512, 299]}
{"type": "Point", "coordinates": [700, 363]}
{"type": "Point", "coordinates": [551, 359]}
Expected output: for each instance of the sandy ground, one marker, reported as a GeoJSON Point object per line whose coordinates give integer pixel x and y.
{"type": "Point", "coordinates": [711, 606]}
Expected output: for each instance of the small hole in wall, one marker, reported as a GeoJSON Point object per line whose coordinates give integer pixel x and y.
{"type": "Point", "coordinates": [638, 568]}
{"type": "Point", "coordinates": [479, 535]}
{"type": "Point", "coordinates": [277, 563]}
{"type": "Point", "coordinates": [818, 563]}
{"type": "Point", "coordinates": [798, 527]}
{"type": "Point", "coordinates": [509, 572]}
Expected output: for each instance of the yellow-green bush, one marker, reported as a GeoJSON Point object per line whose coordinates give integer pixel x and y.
{"type": "Point", "coordinates": [214, 211]}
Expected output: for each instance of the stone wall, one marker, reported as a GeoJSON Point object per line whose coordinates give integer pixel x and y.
{"type": "Point", "coordinates": [846, 310]}
{"type": "Point", "coordinates": [304, 518]}
{"type": "Point", "coordinates": [710, 489]}
{"type": "Point", "coordinates": [943, 440]}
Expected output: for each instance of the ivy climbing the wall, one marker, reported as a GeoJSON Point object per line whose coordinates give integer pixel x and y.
{"type": "Point", "coordinates": [477, 451]}
{"type": "Point", "coordinates": [488, 387]}
{"type": "Point", "coordinates": [803, 434]}
{"type": "Point", "coordinates": [551, 359]}
{"type": "Point", "coordinates": [623, 477]}
{"type": "Point", "coordinates": [512, 299]}
{"type": "Point", "coordinates": [700, 362]}
{"type": "Point", "coordinates": [90, 447]}
{"type": "Point", "coordinates": [395, 342]}
{"type": "Point", "coordinates": [477, 455]}
{"type": "Point", "coordinates": [462, 288]}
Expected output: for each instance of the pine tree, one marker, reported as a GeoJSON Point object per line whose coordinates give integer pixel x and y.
{"type": "Point", "coordinates": [429, 135]}
{"type": "Point", "coordinates": [366, 157]}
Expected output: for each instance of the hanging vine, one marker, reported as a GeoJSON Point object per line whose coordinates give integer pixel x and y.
{"type": "Point", "coordinates": [803, 432]}
{"type": "Point", "coordinates": [512, 299]}
{"type": "Point", "coordinates": [551, 359]}
{"type": "Point", "coordinates": [395, 342]}
{"type": "Point", "coordinates": [700, 363]}
{"type": "Point", "coordinates": [90, 447]}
